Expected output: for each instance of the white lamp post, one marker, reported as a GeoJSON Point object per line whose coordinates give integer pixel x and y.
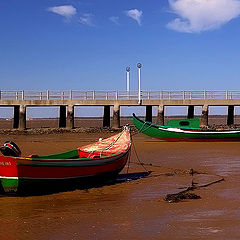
{"type": "Point", "coordinates": [139, 65]}
{"type": "Point", "coordinates": [128, 73]}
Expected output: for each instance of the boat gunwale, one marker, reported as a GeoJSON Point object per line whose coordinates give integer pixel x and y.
{"type": "Point", "coordinates": [41, 162]}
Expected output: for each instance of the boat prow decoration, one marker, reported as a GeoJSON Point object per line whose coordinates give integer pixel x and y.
{"type": "Point", "coordinates": [169, 133]}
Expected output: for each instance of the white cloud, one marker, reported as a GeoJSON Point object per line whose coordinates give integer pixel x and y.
{"type": "Point", "coordinates": [87, 19]}
{"type": "Point", "coordinates": [196, 16]}
{"type": "Point", "coordinates": [66, 11]}
{"type": "Point", "coordinates": [135, 14]}
{"type": "Point", "coordinates": [114, 20]}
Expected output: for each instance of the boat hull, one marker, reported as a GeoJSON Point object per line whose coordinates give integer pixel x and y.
{"type": "Point", "coordinates": [177, 134]}
{"type": "Point", "coordinates": [19, 174]}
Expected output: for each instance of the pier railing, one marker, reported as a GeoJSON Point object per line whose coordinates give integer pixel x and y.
{"type": "Point", "coordinates": [117, 95]}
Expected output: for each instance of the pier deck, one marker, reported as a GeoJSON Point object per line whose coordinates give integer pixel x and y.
{"type": "Point", "coordinates": [67, 100]}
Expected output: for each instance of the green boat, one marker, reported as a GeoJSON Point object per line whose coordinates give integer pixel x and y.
{"type": "Point", "coordinates": [185, 130]}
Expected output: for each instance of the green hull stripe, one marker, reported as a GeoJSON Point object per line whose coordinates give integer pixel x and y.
{"type": "Point", "coordinates": [9, 185]}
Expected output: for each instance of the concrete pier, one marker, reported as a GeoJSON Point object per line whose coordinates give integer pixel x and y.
{"type": "Point", "coordinates": [190, 111]}
{"type": "Point", "coordinates": [116, 116]}
{"type": "Point", "coordinates": [230, 118]}
{"type": "Point", "coordinates": [62, 117]}
{"type": "Point", "coordinates": [16, 116]}
{"type": "Point", "coordinates": [67, 100]}
{"type": "Point", "coordinates": [106, 116]}
{"type": "Point", "coordinates": [22, 117]}
{"type": "Point", "coordinates": [148, 117]}
{"type": "Point", "coordinates": [160, 115]}
{"type": "Point", "coordinates": [70, 116]}
{"type": "Point", "coordinates": [204, 116]}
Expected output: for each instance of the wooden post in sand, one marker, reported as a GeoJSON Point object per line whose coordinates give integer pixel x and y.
{"type": "Point", "coordinates": [16, 116]}
{"type": "Point", "coordinates": [106, 116]}
{"type": "Point", "coordinates": [62, 117]}
{"type": "Point", "coordinates": [230, 117]}
{"type": "Point", "coordinates": [160, 116]}
{"type": "Point", "coordinates": [190, 111]}
{"type": "Point", "coordinates": [22, 117]}
{"type": "Point", "coordinates": [70, 116]}
{"type": "Point", "coordinates": [204, 116]}
{"type": "Point", "coordinates": [116, 116]}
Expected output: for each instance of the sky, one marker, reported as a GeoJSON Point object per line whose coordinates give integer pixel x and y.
{"type": "Point", "coordinates": [87, 44]}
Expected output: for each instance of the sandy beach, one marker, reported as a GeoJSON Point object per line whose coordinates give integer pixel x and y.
{"type": "Point", "coordinates": [133, 209]}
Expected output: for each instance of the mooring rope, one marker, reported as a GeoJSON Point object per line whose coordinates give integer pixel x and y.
{"type": "Point", "coordinates": [129, 159]}
{"type": "Point", "coordinates": [142, 164]}
{"type": "Point", "coordinates": [141, 130]}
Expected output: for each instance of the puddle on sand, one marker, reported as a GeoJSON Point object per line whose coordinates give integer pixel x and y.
{"type": "Point", "coordinates": [201, 215]}
{"type": "Point", "coordinates": [224, 165]}
{"type": "Point", "coordinates": [230, 193]}
{"type": "Point", "coordinates": [158, 187]}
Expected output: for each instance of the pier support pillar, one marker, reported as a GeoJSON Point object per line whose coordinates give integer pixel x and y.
{"type": "Point", "coordinates": [148, 117]}
{"type": "Point", "coordinates": [160, 116]}
{"type": "Point", "coordinates": [204, 117]}
{"type": "Point", "coordinates": [62, 117]}
{"type": "Point", "coordinates": [22, 117]}
{"type": "Point", "coordinates": [16, 117]}
{"type": "Point", "coordinates": [190, 111]}
{"type": "Point", "coordinates": [116, 116]}
{"type": "Point", "coordinates": [70, 116]}
{"type": "Point", "coordinates": [230, 117]}
{"type": "Point", "coordinates": [106, 116]}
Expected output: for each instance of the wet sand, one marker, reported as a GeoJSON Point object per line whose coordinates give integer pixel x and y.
{"type": "Point", "coordinates": [133, 209]}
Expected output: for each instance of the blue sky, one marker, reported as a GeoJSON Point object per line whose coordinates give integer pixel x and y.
{"type": "Point", "coordinates": [87, 44]}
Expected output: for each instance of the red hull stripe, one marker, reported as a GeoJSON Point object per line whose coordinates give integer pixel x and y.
{"type": "Point", "coordinates": [45, 172]}
{"type": "Point", "coordinates": [68, 172]}
{"type": "Point", "coordinates": [8, 167]}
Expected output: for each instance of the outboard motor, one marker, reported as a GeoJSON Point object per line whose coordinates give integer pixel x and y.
{"type": "Point", "coordinates": [10, 148]}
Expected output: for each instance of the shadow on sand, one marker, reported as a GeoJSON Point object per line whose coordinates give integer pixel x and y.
{"type": "Point", "coordinates": [47, 188]}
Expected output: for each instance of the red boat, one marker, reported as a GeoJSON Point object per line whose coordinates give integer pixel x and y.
{"type": "Point", "coordinates": [103, 159]}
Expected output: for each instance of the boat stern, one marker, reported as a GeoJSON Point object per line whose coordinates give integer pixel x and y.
{"type": "Point", "coordinates": [8, 174]}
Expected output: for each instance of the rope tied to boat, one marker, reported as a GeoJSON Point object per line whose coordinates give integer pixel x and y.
{"type": "Point", "coordinates": [142, 130]}
{"type": "Point", "coordinates": [140, 163]}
